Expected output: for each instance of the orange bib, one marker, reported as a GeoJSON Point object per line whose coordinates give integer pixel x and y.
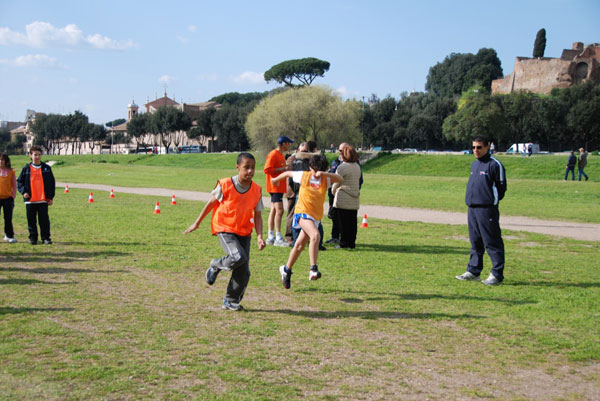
{"type": "Point", "coordinates": [235, 214]}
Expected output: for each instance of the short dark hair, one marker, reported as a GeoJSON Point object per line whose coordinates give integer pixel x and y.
{"type": "Point", "coordinates": [6, 159]}
{"type": "Point", "coordinates": [482, 139]}
{"type": "Point", "coordinates": [35, 148]}
{"type": "Point", "coordinates": [311, 146]}
{"type": "Point", "coordinates": [318, 163]}
{"type": "Point", "coordinates": [244, 155]}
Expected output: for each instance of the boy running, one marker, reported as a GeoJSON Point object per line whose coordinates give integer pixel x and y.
{"type": "Point", "coordinates": [308, 213]}
{"type": "Point", "coordinates": [236, 205]}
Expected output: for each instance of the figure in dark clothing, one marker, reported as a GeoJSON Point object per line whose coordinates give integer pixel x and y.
{"type": "Point", "coordinates": [571, 162]}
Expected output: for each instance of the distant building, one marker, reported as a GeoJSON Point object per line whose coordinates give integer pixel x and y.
{"type": "Point", "coordinates": [542, 74]}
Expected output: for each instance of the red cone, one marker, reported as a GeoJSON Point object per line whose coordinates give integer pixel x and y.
{"type": "Point", "coordinates": [67, 188]}
{"type": "Point", "coordinates": [157, 208]}
{"type": "Point", "coordinates": [364, 224]}
{"type": "Point", "coordinates": [112, 193]}
{"type": "Point", "coordinates": [91, 198]}
{"type": "Point", "coordinates": [173, 201]}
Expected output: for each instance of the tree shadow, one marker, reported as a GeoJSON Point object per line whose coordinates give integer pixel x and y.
{"type": "Point", "coordinates": [58, 270]}
{"type": "Point", "coordinates": [6, 310]}
{"type": "Point", "coordinates": [550, 284]}
{"type": "Point", "coordinates": [385, 296]}
{"type": "Point", "coordinates": [25, 281]}
{"type": "Point", "coordinates": [367, 314]}
{"type": "Point", "coordinates": [426, 249]}
{"type": "Point", "coordinates": [65, 257]}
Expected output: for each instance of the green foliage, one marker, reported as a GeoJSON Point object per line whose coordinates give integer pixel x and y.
{"type": "Point", "coordinates": [539, 46]}
{"type": "Point", "coordinates": [114, 123]}
{"type": "Point", "coordinates": [461, 71]}
{"type": "Point", "coordinates": [308, 113]}
{"type": "Point", "coordinates": [304, 70]}
{"type": "Point", "coordinates": [239, 99]}
{"type": "Point", "coordinates": [170, 124]}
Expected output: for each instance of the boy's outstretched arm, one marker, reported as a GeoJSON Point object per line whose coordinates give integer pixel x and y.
{"type": "Point", "coordinates": [334, 177]}
{"type": "Point", "coordinates": [258, 226]}
{"type": "Point", "coordinates": [207, 208]}
{"type": "Point", "coordinates": [281, 176]}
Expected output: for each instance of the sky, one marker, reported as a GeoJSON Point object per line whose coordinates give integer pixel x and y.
{"type": "Point", "coordinates": [97, 57]}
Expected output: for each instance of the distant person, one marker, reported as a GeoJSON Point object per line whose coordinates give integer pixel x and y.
{"type": "Point", "coordinates": [347, 197]}
{"type": "Point", "coordinates": [37, 185]}
{"type": "Point", "coordinates": [236, 205]}
{"type": "Point", "coordinates": [581, 163]}
{"type": "Point", "coordinates": [571, 162]}
{"type": "Point", "coordinates": [529, 150]}
{"type": "Point", "coordinates": [8, 192]}
{"type": "Point", "coordinates": [308, 214]}
{"type": "Point", "coordinates": [274, 166]}
{"type": "Point", "coordinates": [492, 148]}
{"type": "Point", "coordinates": [485, 189]}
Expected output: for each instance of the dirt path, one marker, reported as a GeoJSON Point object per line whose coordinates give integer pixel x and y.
{"type": "Point", "coordinates": [575, 230]}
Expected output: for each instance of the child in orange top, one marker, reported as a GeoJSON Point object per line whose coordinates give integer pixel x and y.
{"type": "Point", "coordinates": [236, 205]}
{"type": "Point", "coordinates": [8, 191]}
{"type": "Point", "coordinates": [308, 213]}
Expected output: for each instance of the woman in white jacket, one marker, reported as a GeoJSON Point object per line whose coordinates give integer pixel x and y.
{"type": "Point", "coordinates": [347, 197]}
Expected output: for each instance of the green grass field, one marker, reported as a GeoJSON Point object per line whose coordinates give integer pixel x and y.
{"type": "Point", "coordinates": [535, 186]}
{"type": "Point", "coordinates": [117, 309]}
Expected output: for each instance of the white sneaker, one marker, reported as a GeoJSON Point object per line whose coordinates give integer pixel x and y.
{"type": "Point", "coordinates": [10, 240]}
{"type": "Point", "coordinates": [468, 276]}
{"type": "Point", "coordinates": [491, 280]}
{"type": "Point", "coordinates": [270, 240]}
{"type": "Point", "coordinates": [281, 242]}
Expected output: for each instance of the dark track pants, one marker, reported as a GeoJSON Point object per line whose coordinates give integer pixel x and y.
{"type": "Point", "coordinates": [7, 205]}
{"type": "Point", "coordinates": [38, 212]}
{"type": "Point", "coordinates": [485, 235]}
{"type": "Point", "coordinates": [348, 227]}
{"type": "Point", "coordinates": [238, 261]}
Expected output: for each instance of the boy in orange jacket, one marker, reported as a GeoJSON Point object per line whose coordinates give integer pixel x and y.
{"type": "Point", "coordinates": [236, 205]}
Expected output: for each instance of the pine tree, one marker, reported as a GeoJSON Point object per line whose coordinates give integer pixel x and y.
{"type": "Point", "coordinates": [539, 46]}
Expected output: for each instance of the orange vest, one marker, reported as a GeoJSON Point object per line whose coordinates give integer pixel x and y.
{"type": "Point", "coordinates": [235, 213]}
{"type": "Point", "coordinates": [275, 159]}
{"type": "Point", "coordinates": [37, 185]}
{"type": "Point", "coordinates": [311, 196]}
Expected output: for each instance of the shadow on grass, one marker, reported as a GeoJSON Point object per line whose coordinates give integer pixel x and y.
{"type": "Point", "coordinates": [58, 270]}
{"type": "Point", "coordinates": [24, 281]}
{"type": "Point", "coordinates": [65, 257]}
{"type": "Point", "coordinates": [6, 310]}
{"type": "Point", "coordinates": [106, 243]}
{"type": "Point", "coordinates": [410, 297]}
{"type": "Point", "coordinates": [550, 284]}
{"type": "Point", "coordinates": [426, 249]}
{"type": "Point", "coordinates": [367, 314]}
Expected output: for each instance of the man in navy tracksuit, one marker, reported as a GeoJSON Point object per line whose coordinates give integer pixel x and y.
{"type": "Point", "coordinates": [486, 187]}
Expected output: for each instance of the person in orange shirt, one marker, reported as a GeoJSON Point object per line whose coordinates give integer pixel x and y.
{"type": "Point", "coordinates": [308, 213]}
{"type": "Point", "coordinates": [8, 191]}
{"type": "Point", "coordinates": [274, 166]}
{"type": "Point", "coordinates": [36, 183]}
{"type": "Point", "coordinates": [236, 205]}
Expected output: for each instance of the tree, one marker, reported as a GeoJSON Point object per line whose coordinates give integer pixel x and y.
{"type": "Point", "coordinates": [114, 123]}
{"type": "Point", "coordinates": [137, 128]}
{"type": "Point", "coordinates": [77, 131]}
{"type": "Point", "coordinates": [304, 70]}
{"type": "Point", "coordinates": [461, 71]}
{"type": "Point", "coordinates": [239, 99]}
{"type": "Point", "coordinates": [539, 46]}
{"type": "Point", "coordinates": [97, 134]}
{"type": "Point", "coordinates": [168, 123]}
{"type": "Point", "coordinates": [205, 127]}
{"type": "Point", "coordinates": [583, 115]}
{"type": "Point", "coordinates": [229, 127]}
{"type": "Point", "coordinates": [307, 113]}
{"type": "Point", "coordinates": [4, 139]}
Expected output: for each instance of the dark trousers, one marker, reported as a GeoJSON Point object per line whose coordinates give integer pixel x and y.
{"type": "Point", "coordinates": [38, 212]}
{"type": "Point", "coordinates": [335, 219]}
{"type": "Point", "coordinates": [7, 205]}
{"type": "Point", "coordinates": [347, 221]}
{"type": "Point", "coordinates": [581, 172]}
{"type": "Point", "coordinates": [237, 260]}
{"type": "Point", "coordinates": [485, 235]}
{"type": "Point", "coordinates": [572, 170]}
{"type": "Point", "coordinates": [291, 206]}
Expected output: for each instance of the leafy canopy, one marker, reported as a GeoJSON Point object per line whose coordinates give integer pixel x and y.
{"type": "Point", "coordinates": [304, 70]}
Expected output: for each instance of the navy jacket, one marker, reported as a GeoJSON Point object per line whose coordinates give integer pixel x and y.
{"type": "Point", "coordinates": [24, 181]}
{"type": "Point", "coordinates": [487, 183]}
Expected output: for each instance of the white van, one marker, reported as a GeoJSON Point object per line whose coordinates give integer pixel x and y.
{"type": "Point", "coordinates": [522, 148]}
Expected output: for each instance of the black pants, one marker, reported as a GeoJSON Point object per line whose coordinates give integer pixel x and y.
{"type": "Point", "coordinates": [485, 234]}
{"type": "Point", "coordinates": [38, 212]}
{"type": "Point", "coordinates": [238, 261]}
{"type": "Point", "coordinates": [347, 220]}
{"type": "Point", "coordinates": [7, 205]}
{"type": "Point", "coordinates": [335, 219]}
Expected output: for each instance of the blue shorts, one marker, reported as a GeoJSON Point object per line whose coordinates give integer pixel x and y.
{"type": "Point", "coordinates": [299, 216]}
{"type": "Point", "coordinates": [276, 197]}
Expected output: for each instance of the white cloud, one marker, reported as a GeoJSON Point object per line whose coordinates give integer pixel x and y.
{"type": "Point", "coordinates": [192, 28]}
{"type": "Point", "coordinates": [34, 60]}
{"type": "Point", "coordinates": [249, 77]}
{"type": "Point", "coordinates": [345, 93]}
{"type": "Point", "coordinates": [166, 79]}
{"type": "Point", "coordinates": [207, 77]}
{"type": "Point", "coordinates": [182, 39]}
{"type": "Point", "coordinates": [42, 34]}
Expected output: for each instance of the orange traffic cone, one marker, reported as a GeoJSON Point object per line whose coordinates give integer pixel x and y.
{"type": "Point", "coordinates": [112, 193]}
{"type": "Point", "coordinates": [365, 224]}
{"type": "Point", "coordinates": [67, 188]}
{"type": "Point", "coordinates": [173, 201]}
{"type": "Point", "coordinates": [91, 198]}
{"type": "Point", "coordinates": [157, 208]}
